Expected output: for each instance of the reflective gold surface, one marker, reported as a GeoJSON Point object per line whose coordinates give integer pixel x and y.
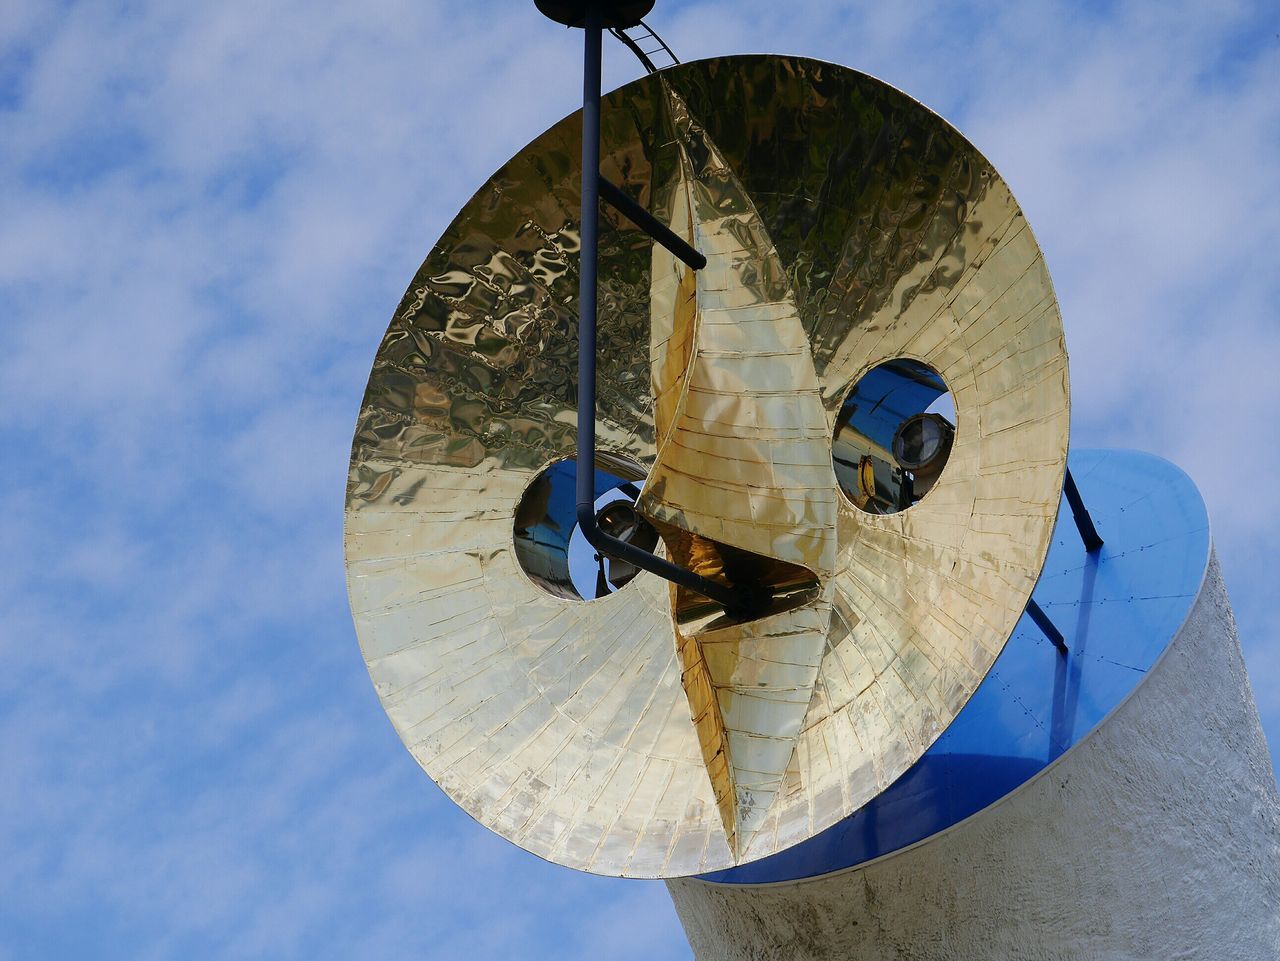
{"type": "Point", "coordinates": [643, 734]}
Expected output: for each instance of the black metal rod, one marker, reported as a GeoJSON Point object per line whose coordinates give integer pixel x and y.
{"type": "Point", "coordinates": [586, 460]}
{"type": "Point", "coordinates": [635, 48]}
{"type": "Point", "coordinates": [1050, 629]}
{"type": "Point", "coordinates": [653, 33]}
{"type": "Point", "coordinates": [660, 232]}
{"type": "Point", "coordinates": [1084, 523]}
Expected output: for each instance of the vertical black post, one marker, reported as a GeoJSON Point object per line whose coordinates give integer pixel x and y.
{"type": "Point", "coordinates": [587, 262]}
{"type": "Point", "coordinates": [1084, 523]}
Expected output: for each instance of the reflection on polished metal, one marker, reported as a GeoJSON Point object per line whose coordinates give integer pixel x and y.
{"type": "Point", "coordinates": [645, 733]}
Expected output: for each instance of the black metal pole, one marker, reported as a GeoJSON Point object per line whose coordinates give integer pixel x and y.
{"type": "Point", "coordinates": [651, 225]}
{"type": "Point", "coordinates": [587, 263]}
{"type": "Point", "coordinates": [732, 600]}
{"type": "Point", "coordinates": [1084, 523]}
{"type": "Point", "coordinates": [635, 48]}
{"type": "Point", "coordinates": [1050, 629]}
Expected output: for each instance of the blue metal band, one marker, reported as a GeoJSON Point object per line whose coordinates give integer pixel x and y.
{"type": "Point", "coordinates": [1118, 609]}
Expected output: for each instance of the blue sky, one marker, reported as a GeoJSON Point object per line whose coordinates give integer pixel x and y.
{"type": "Point", "coordinates": [207, 215]}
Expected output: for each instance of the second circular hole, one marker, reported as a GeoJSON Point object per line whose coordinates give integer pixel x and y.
{"type": "Point", "coordinates": [893, 436]}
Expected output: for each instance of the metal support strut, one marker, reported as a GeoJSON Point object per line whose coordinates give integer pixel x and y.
{"type": "Point", "coordinates": [1092, 542]}
{"type": "Point", "coordinates": [1050, 629]}
{"type": "Point", "coordinates": [592, 186]}
{"type": "Point", "coordinates": [651, 225]}
{"type": "Point", "coordinates": [1084, 523]}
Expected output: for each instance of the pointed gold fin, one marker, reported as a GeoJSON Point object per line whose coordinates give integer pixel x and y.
{"type": "Point", "coordinates": [742, 489]}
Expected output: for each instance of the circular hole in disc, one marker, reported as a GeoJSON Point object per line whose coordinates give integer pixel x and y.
{"type": "Point", "coordinates": [549, 545]}
{"type": "Point", "coordinates": [893, 436]}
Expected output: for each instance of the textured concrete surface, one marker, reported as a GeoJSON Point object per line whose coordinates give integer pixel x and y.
{"type": "Point", "coordinates": [1158, 837]}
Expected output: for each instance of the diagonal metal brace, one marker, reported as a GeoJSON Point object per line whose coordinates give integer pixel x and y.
{"type": "Point", "coordinates": [660, 232]}
{"type": "Point", "coordinates": [1050, 629]}
{"type": "Point", "coordinates": [1084, 523]}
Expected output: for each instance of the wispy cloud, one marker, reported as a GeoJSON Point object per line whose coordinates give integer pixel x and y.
{"type": "Point", "coordinates": [207, 214]}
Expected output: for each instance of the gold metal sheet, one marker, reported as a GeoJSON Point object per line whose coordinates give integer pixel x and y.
{"type": "Point", "coordinates": [844, 225]}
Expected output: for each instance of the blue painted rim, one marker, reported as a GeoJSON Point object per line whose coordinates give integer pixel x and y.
{"type": "Point", "coordinates": [1117, 609]}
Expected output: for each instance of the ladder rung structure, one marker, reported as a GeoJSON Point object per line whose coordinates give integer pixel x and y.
{"type": "Point", "coordinates": [646, 45]}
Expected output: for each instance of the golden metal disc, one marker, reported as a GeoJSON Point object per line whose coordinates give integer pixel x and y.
{"type": "Point", "coordinates": [848, 231]}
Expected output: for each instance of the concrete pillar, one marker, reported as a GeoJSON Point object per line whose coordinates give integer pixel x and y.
{"type": "Point", "coordinates": [1155, 837]}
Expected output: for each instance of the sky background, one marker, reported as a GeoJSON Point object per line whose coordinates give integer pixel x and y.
{"type": "Point", "coordinates": [207, 215]}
